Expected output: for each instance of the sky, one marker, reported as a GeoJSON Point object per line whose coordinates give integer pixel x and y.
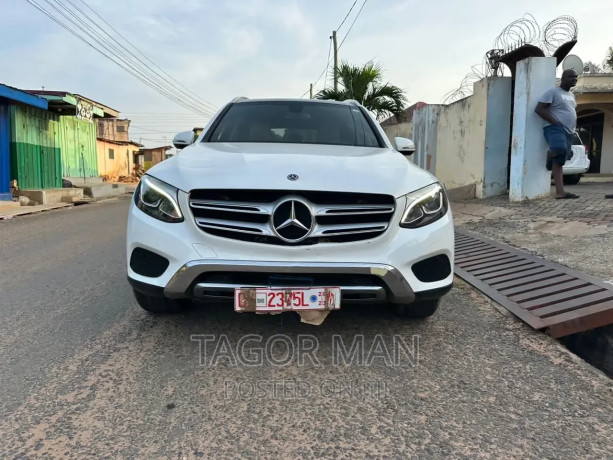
{"type": "Point", "coordinates": [219, 50]}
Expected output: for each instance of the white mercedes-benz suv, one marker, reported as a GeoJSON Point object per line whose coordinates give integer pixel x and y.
{"type": "Point", "coordinates": [290, 205]}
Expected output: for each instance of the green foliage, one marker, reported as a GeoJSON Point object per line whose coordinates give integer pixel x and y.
{"type": "Point", "coordinates": [365, 85]}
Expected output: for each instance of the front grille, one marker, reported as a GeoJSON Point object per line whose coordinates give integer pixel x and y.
{"type": "Point", "coordinates": [246, 214]}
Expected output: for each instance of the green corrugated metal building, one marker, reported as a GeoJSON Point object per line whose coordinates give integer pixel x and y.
{"type": "Point", "coordinates": [61, 142]}
{"type": "Point", "coordinates": [79, 147]}
{"type": "Point", "coordinates": [77, 135]}
{"type": "Point", "coordinates": [36, 160]}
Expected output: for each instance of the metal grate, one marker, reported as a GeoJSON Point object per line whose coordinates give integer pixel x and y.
{"type": "Point", "coordinates": [544, 294]}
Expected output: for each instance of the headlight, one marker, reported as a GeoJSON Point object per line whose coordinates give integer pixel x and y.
{"type": "Point", "coordinates": [425, 206]}
{"type": "Point", "coordinates": [158, 199]}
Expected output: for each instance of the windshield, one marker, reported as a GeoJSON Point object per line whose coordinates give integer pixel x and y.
{"type": "Point", "coordinates": [295, 122]}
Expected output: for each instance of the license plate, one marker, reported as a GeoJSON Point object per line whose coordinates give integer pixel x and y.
{"type": "Point", "coordinates": [286, 299]}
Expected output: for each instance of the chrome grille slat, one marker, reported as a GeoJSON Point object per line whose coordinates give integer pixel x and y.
{"type": "Point", "coordinates": [232, 214]}
{"type": "Point", "coordinates": [347, 210]}
{"type": "Point", "coordinates": [352, 229]}
{"type": "Point", "coordinates": [249, 208]}
{"type": "Point", "coordinates": [236, 226]}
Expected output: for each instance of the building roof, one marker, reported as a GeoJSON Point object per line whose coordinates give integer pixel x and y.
{"type": "Point", "coordinates": [23, 97]}
{"type": "Point", "coordinates": [407, 115]}
{"type": "Point", "coordinates": [594, 83]}
{"type": "Point", "coordinates": [115, 119]}
{"type": "Point", "coordinates": [63, 100]}
{"type": "Point", "coordinates": [120, 142]}
{"type": "Point", "coordinates": [166, 147]}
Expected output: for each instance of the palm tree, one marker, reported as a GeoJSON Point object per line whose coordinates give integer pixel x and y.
{"type": "Point", "coordinates": [365, 85]}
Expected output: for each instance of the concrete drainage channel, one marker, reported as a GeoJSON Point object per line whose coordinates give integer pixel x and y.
{"type": "Point", "coordinates": [569, 305]}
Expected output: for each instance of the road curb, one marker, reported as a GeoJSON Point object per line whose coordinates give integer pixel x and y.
{"type": "Point", "coordinates": [29, 210]}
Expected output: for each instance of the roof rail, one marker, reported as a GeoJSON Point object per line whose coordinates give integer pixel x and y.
{"type": "Point", "coordinates": [240, 98]}
{"type": "Point", "coordinates": [351, 101]}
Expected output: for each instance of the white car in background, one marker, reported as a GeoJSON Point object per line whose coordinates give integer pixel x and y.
{"type": "Point", "coordinates": [290, 205]}
{"type": "Point", "coordinates": [578, 164]}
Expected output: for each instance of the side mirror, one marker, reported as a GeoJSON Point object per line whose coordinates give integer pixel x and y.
{"type": "Point", "coordinates": [183, 139]}
{"type": "Point", "coordinates": [404, 145]}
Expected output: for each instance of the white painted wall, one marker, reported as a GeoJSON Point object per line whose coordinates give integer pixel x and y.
{"type": "Point", "coordinates": [400, 130]}
{"type": "Point", "coordinates": [461, 141]}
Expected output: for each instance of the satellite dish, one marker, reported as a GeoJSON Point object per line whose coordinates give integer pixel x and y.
{"type": "Point", "coordinates": [573, 62]}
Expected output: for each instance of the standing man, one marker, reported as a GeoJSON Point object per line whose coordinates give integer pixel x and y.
{"type": "Point", "coordinates": [558, 108]}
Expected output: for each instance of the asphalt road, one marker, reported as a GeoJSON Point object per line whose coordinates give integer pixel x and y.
{"type": "Point", "coordinates": [85, 373]}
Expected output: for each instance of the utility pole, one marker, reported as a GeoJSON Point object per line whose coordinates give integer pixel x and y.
{"type": "Point", "coordinates": [311, 91]}
{"type": "Point", "coordinates": [335, 61]}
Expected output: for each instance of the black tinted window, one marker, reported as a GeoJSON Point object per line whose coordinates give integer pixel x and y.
{"type": "Point", "coordinates": [295, 122]}
{"type": "Point", "coordinates": [580, 136]}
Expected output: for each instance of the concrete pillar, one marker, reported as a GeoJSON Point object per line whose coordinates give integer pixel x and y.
{"type": "Point", "coordinates": [497, 133]}
{"type": "Point", "coordinates": [529, 176]}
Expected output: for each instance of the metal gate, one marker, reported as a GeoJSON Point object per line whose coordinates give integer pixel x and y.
{"type": "Point", "coordinates": [35, 150]}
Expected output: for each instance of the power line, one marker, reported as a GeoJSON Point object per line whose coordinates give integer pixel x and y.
{"type": "Point", "coordinates": [115, 55]}
{"type": "Point", "coordinates": [354, 19]}
{"type": "Point", "coordinates": [150, 73]}
{"type": "Point", "coordinates": [327, 64]}
{"type": "Point", "coordinates": [161, 114]}
{"type": "Point", "coordinates": [160, 79]}
{"type": "Point", "coordinates": [323, 71]}
{"type": "Point", "coordinates": [152, 130]}
{"type": "Point", "coordinates": [146, 58]}
{"type": "Point", "coordinates": [154, 118]}
{"type": "Point", "coordinates": [161, 124]}
{"type": "Point", "coordinates": [155, 121]}
{"type": "Point", "coordinates": [158, 140]}
{"type": "Point", "coordinates": [120, 59]}
{"type": "Point", "coordinates": [330, 47]}
{"type": "Point", "coordinates": [157, 113]}
{"type": "Point", "coordinates": [348, 13]}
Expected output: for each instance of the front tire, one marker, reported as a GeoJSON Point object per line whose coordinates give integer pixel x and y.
{"type": "Point", "coordinates": [158, 304]}
{"type": "Point", "coordinates": [420, 309]}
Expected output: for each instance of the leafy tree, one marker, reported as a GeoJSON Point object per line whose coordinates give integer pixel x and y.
{"type": "Point", "coordinates": [365, 84]}
{"type": "Point", "coordinates": [591, 67]}
{"type": "Point", "coordinates": [608, 62]}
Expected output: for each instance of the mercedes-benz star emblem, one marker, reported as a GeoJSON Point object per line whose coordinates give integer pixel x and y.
{"type": "Point", "coordinates": [292, 176]}
{"type": "Point", "coordinates": [292, 221]}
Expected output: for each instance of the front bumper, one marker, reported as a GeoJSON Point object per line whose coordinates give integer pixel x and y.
{"type": "Point", "coordinates": [201, 265]}
{"type": "Point", "coordinates": [393, 286]}
{"type": "Point", "coordinates": [579, 165]}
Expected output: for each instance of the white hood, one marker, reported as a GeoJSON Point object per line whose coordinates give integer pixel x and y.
{"type": "Point", "coordinates": [266, 166]}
